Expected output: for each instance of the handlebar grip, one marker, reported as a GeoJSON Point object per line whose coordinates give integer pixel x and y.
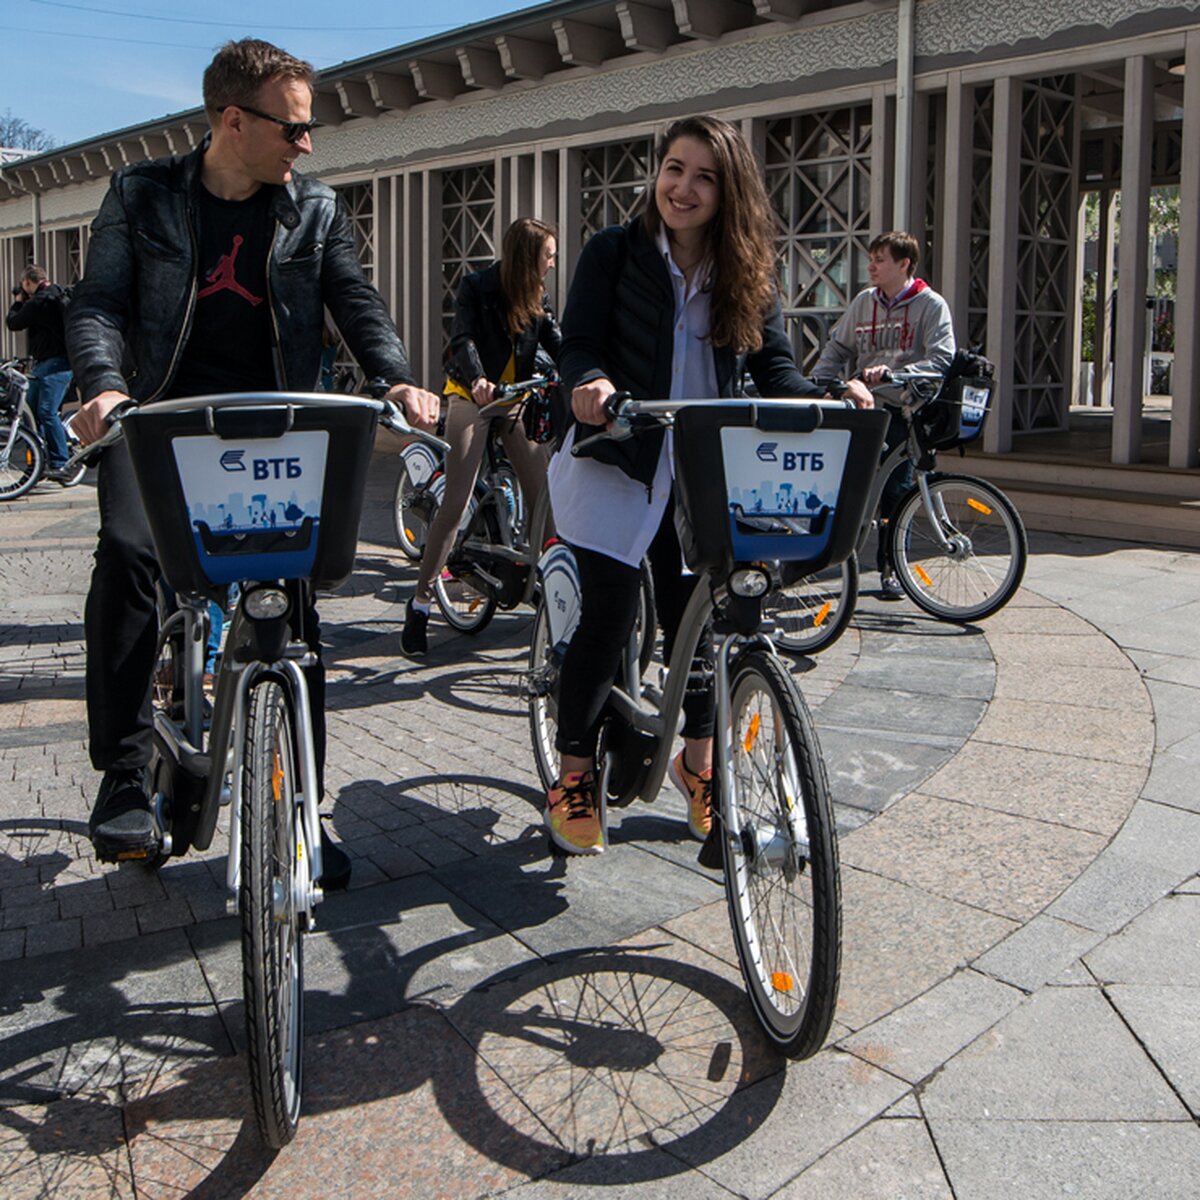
{"type": "Point", "coordinates": [614, 404]}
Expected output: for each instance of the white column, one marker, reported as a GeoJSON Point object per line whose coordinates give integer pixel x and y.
{"type": "Point", "coordinates": [1106, 259]}
{"type": "Point", "coordinates": [1002, 260]}
{"type": "Point", "coordinates": [1129, 368]}
{"type": "Point", "coordinates": [1185, 376]}
{"type": "Point", "coordinates": [902, 194]}
{"type": "Point", "coordinates": [882, 162]}
{"type": "Point", "coordinates": [955, 252]}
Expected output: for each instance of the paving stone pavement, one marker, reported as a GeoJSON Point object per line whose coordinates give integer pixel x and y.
{"type": "Point", "coordinates": [1020, 1002]}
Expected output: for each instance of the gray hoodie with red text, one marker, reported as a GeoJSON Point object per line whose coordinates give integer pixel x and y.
{"type": "Point", "coordinates": [913, 330]}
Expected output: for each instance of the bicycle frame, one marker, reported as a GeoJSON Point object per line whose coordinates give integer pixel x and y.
{"type": "Point", "coordinates": [221, 759]}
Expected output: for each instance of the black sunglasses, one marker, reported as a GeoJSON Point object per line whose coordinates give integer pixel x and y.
{"type": "Point", "coordinates": [293, 131]}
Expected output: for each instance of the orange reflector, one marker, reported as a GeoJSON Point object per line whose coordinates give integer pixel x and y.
{"type": "Point", "coordinates": [408, 533]}
{"type": "Point", "coordinates": [923, 575]}
{"type": "Point", "coordinates": [277, 776]}
{"type": "Point", "coordinates": [752, 733]}
{"type": "Point", "coordinates": [978, 506]}
{"type": "Point", "coordinates": [475, 604]}
{"type": "Point", "coordinates": [822, 613]}
{"type": "Point", "coordinates": [782, 981]}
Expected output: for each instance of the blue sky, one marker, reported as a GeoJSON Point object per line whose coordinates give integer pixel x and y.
{"type": "Point", "coordinates": [79, 68]}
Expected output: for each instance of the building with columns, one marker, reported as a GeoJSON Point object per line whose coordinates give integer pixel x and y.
{"type": "Point", "coordinates": [979, 125]}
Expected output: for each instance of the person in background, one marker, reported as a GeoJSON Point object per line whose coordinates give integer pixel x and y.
{"type": "Point", "coordinates": [899, 321]}
{"type": "Point", "coordinates": [38, 308]}
{"type": "Point", "coordinates": [502, 316]}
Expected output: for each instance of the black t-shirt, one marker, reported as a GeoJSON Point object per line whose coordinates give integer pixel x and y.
{"type": "Point", "coordinates": [229, 347]}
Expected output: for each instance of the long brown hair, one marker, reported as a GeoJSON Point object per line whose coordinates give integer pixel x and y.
{"type": "Point", "coordinates": [740, 236]}
{"type": "Point", "coordinates": [520, 278]}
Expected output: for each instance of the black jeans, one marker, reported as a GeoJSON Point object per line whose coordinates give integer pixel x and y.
{"type": "Point", "coordinates": [121, 629]}
{"type": "Point", "coordinates": [609, 611]}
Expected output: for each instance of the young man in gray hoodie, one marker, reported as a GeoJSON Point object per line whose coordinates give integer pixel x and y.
{"type": "Point", "coordinates": [899, 321]}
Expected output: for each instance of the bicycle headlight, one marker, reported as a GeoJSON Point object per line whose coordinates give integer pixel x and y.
{"type": "Point", "coordinates": [749, 581]}
{"type": "Point", "coordinates": [266, 603]}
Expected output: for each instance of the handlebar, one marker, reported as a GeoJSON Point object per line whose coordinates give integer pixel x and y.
{"type": "Point", "coordinates": [393, 418]}
{"type": "Point", "coordinates": [627, 415]}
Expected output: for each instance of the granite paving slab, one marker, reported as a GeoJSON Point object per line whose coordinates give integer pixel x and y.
{"type": "Point", "coordinates": [1158, 947]}
{"type": "Point", "coordinates": [914, 1040]}
{"type": "Point", "coordinates": [1011, 866]}
{"type": "Point", "coordinates": [1087, 1160]}
{"type": "Point", "coordinates": [1063, 1055]}
{"type": "Point", "coordinates": [1037, 952]}
{"type": "Point", "coordinates": [886, 1160]}
{"type": "Point", "coordinates": [898, 941]}
{"type": "Point", "coordinates": [1166, 1020]}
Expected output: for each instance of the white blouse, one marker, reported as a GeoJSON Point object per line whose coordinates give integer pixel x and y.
{"type": "Point", "coordinates": [597, 506]}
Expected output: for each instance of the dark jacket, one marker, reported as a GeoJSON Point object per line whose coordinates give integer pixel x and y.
{"type": "Point", "coordinates": [617, 324]}
{"type": "Point", "coordinates": [41, 315]}
{"type": "Point", "coordinates": [139, 289]}
{"type": "Point", "coordinates": [480, 343]}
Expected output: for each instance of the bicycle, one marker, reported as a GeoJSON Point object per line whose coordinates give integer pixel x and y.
{"type": "Point", "coordinates": [264, 490]}
{"type": "Point", "coordinates": [491, 564]}
{"type": "Point", "coordinates": [773, 828]}
{"type": "Point", "coordinates": [957, 542]}
{"type": "Point", "coordinates": [22, 448]}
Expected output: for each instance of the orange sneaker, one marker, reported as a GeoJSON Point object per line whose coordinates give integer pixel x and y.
{"type": "Point", "coordinates": [697, 791]}
{"type": "Point", "coordinates": [575, 816]}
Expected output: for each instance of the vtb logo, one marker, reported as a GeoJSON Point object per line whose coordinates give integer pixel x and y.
{"type": "Point", "coordinates": [231, 460]}
{"type": "Point", "coordinates": [792, 460]}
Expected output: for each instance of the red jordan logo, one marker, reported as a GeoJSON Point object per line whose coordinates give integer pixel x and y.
{"type": "Point", "coordinates": [221, 278]}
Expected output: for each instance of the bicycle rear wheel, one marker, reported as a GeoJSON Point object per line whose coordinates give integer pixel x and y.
{"type": "Point", "coordinates": [21, 465]}
{"type": "Point", "coordinates": [984, 565]}
{"type": "Point", "coordinates": [812, 613]}
{"type": "Point", "coordinates": [781, 869]}
{"type": "Point", "coordinates": [413, 508]}
{"type": "Point", "coordinates": [273, 850]}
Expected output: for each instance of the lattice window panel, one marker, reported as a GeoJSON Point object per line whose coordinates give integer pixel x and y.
{"type": "Point", "coordinates": [613, 179]}
{"type": "Point", "coordinates": [468, 221]}
{"type": "Point", "coordinates": [74, 240]}
{"type": "Point", "coordinates": [360, 202]}
{"type": "Point", "coordinates": [818, 174]}
{"type": "Point", "coordinates": [1100, 156]}
{"type": "Point", "coordinates": [981, 220]}
{"type": "Point", "coordinates": [1045, 224]}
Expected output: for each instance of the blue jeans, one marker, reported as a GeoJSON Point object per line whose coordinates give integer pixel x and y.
{"type": "Point", "coordinates": [48, 383]}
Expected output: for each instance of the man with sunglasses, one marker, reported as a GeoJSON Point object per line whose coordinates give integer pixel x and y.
{"type": "Point", "coordinates": [206, 273]}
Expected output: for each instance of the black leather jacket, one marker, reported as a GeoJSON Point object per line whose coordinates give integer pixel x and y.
{"type": "Point", "coordinates": [480, 341]}
{"type": "Point", "coordinates": [134, 305]}
{"type": "Point", "coordinates": [617, 324]}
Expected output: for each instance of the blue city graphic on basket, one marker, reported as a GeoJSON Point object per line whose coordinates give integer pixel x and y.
{"type": "Point", "coordinates": [785, 487]}
{"type": "Point", "coordinates": [255, 506]}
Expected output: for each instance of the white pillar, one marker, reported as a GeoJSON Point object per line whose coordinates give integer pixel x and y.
{"type": "Point", "coordinates": [1002, 260]}
{"type": "Point", "coordinates": [1185, 378]}
{"type": "Point", "coordinates": [955, 251]}
{"type": "Point", "coordinates": [902, 196]}
{"type": "Point", "coordinates": [882, 162]}
{"type": "Point", "coordinates": [1133, 261]}
{"type": "Point", "coordinates": [1106, 258]}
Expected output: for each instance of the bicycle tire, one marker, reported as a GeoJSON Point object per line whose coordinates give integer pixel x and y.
{"type": "Point", "coordinates": [782, 879]}
{"type": "Point", "coordinates": [413, 509]}
{"type": "Point", "coordinates": [465, 607]}
{"type": "Point", "coordinates": [542, 694]}
{"type": "Point", "coordinates": [272, 942]}
{"type": "Point", "coordinates": [22, 466]}
{"type": "Point", "coordinates": [810, 614]}
{"type": "Point", "coordinates": [985, 568]}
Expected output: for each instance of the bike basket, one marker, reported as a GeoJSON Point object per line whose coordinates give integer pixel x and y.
{"type": "Point", "coordinates": [956, 416]}
{"type": "Point", "coordinates": [254, 486]}
{"type": "Point", "coordinates": [756, 481]}
{"type": "Point", "coordinates": [12, 388]}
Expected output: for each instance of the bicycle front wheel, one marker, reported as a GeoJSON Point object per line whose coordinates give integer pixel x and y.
{"type": "Point", "coordinates": [542, 692]}
{"type": "Point", "coordinates": [981, 568]}
{"type": "Point", "coordinates": [273, 850]}
{"type": "Point", "coordinates": [20, 461]}
{"type": "Point", "coordinates": [781, 858]}
{"type": "Point", "coordinates": [812, 613]}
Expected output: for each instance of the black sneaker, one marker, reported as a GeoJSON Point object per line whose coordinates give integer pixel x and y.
{"type": "Point", "coordinates": [413, 640]}
{"type": "Point", "coordinates": [889, 586]}
{"type": "Point", "coordinates": [335, 865]}
{"type": "Point", "coordinates": [121, 826]}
